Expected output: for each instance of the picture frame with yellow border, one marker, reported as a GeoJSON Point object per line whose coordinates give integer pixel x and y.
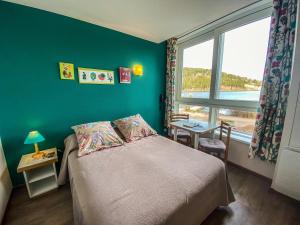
{"type": "Point", "coordinates": [66, 71]}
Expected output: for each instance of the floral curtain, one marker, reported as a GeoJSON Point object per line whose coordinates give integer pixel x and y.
{"type": "Point", "coordinates": [170, 79]}
{"type": "Point", "coordinates": [275, 88]}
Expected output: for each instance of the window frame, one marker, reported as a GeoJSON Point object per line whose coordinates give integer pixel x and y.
{"type": "Point", "coordinates": [216, 32]}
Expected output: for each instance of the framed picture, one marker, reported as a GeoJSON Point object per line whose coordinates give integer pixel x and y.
{"type": "Point", "coordinates": [66, 71]}
{"type": "Point", "coordinates": [125, 75]}
{"type": "Point", "coordinates": [94, 76]}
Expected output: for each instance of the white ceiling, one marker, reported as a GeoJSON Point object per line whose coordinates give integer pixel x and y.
{"type": "Point", "coordinates": [153, 20]}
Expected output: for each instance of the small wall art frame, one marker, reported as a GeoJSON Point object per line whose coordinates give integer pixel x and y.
{"type": "Point", "coordinates": [125, 75]}
{"type": "Point", "coordinates": [95, 76]}
{"type": "Point", "coordinates": [66, 71]}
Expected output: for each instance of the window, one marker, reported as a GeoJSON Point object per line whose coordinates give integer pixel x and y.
{"type": "Point", "coordinates": [196, 112]}
{"type": "Point", "coordinates": [241, 121]}
{"type": "Point", "coordinates": [219, 74]}
{"type": "Point", "coordinates": [196, 72]}
{"type": "Point", "coordinates": [243, 63]}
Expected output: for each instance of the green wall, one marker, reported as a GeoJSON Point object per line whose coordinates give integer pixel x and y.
{"type": "Point", "coordinates": [32, 42]}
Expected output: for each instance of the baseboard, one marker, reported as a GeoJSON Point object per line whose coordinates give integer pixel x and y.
{"type": "Point", "coordinates": [281, 191]}
{"type": "Point", "coordinates": [271, 189]}
{"type": "Point", "coordinates": [250, 171]}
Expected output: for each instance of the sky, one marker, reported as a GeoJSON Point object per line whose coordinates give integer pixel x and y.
{"type": "Point", "coordinates": [245, 50]}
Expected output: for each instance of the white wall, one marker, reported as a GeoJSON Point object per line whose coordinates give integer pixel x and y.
{"type": "Point", "coordinates": [5, 184]}
{"type": "Point", "coordinates": [238, 154]}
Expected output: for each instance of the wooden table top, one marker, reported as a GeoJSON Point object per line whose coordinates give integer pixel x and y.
{"type": "Point", "coordinates": [28, 163]}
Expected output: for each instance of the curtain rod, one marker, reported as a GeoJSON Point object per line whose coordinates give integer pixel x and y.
{"type": "Point", "coordinates": [199, 28]}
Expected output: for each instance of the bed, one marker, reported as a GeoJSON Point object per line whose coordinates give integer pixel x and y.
{"type": "Point", "coordinates": [152, 181]}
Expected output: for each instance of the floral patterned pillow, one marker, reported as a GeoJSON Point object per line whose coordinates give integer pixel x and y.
{"type": "Point", "coordinates": [134, 128]}
{"type": "Point", "coordinates": [93, 137]}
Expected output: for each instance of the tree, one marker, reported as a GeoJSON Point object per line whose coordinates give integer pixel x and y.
{"type": "Point", "coordinates": [198, 79]}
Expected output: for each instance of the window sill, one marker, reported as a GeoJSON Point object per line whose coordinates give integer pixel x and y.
{"type": "Point", "coordinates": [241, 138]}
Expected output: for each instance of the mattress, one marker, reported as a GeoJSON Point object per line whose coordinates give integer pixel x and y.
{"type": "Point", "coordinates": [152, 181]}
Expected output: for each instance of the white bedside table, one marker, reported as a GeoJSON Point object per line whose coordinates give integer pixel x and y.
{"type": "Point", "coordinates": [39, 174]}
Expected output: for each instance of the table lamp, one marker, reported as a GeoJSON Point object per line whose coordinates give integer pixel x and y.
{"type": "Point", "coordinates": [34, 137]}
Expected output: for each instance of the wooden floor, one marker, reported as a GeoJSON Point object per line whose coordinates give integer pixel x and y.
{"type": "Point", "coordinates": [256, 204]}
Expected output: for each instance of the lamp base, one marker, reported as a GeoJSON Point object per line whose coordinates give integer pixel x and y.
{"type": "Point", "coordinates": [38, 155]}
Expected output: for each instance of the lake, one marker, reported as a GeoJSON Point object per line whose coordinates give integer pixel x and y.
{"type": "Point", "coordinates": [226, 95]}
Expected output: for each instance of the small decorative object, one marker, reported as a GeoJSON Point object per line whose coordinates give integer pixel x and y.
{"type": "Point", "coordinates": [138, 70]}
{"type": "Point", "coordinates": [125, 75]}
{"type": "Point", "coordinates": [49, 155]}
{"type": "Point", "coordinates": [66, 71]}
{"type": "Point", "coordinates": [93, 76]}
{"type": "Point", "coordinates": [34, 137]}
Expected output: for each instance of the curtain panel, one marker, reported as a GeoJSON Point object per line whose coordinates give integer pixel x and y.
{"type": "Point", "coordinates": [275, 86]}
{"type": "Point", "coordinates": [170, 79]}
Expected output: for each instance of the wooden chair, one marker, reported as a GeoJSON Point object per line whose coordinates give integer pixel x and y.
{"type": "Point", "coordinates": [181, 134]}
{"type": "Point", "coordinates": [218, 146]}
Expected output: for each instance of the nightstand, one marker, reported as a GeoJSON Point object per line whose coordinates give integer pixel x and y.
{"type": "Point", "coordinates": [39, 174]}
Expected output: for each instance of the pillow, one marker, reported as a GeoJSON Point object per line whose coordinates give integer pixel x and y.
{"type": "Point", "coordinates": [134, 128]}
{"type": "Point", "coordinates": [92, 137]}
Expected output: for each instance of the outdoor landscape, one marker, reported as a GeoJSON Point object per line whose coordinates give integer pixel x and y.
{"type": "Point", "coordinates": [198, 79]}
{"type": "Point", "coordinates": [196, 84]}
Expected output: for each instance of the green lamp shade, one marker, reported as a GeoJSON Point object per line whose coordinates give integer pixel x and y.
{"type": "Point", "coordinates": [34, 137]}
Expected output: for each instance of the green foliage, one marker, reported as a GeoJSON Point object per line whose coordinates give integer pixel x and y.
{"type": "Point", "coordinates": [198, 79]}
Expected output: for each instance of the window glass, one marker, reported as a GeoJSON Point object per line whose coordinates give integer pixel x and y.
{"type": "Point", "coordinates": [238, 74]}
{"type": "Point", "coordinates": [196, 112]}
{"type": "Point", "coordinates": [196, 71]}
{"type": "Point", "coordinates": [241, 121]}
{"type": "Point", "coordinates": [244, 56]}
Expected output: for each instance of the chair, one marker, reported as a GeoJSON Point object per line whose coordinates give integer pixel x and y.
{"type": "Point", "coordinates": [217, 146]}
{"type": "Point", "coordinates": [181, 134]}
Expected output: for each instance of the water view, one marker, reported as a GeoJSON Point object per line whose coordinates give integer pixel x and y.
{"type": "Point", "coordinates": [239, 75]}
{"type": "Point", "coordinates": [196, 84]}
{"type": "Point", "coordinates": [226, 95]}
